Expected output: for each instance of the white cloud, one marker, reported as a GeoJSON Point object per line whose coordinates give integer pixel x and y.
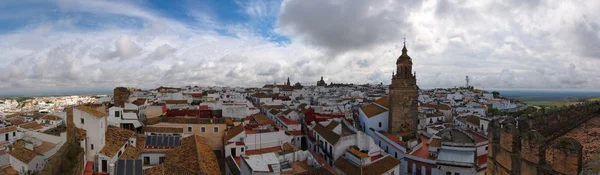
{"type": "Point", "coordinates": [510, 45]}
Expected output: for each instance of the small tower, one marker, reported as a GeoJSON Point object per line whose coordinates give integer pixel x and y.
{"type": "Point", "coordinates": [467, 79]}
{"type": "Point", "coordinates": [288, 81]}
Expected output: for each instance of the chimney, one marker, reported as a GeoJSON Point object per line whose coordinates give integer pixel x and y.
{"type": "Point", "coordinates": [111, 169]}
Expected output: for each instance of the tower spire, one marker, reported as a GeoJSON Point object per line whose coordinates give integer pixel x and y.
{"type": "Point", "coordinates": [404, 52]}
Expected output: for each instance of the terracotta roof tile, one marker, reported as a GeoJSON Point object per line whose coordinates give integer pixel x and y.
{"type": "Point", "coordinates": [193, 156]}
{"type": "Point", "coordinates": [163, 129]}
{"type": "Point", "coordinates": [44, 147]}
{"type": "Point", "coordinates": [139, 101]}
{"type": "Point", "coordinates": [156, 170]}
{"type": "Point", "coordinates": [31, 125]}
{"type": "Point", "coordinates": [357, 152]}
{"type": "Point", "coordinates": [473, 120]}
{"type": "Point", "coordinates": [176, 102]}
{"type": "Point", "coordinates": [372, 110]}
{"type": "Point", "coordinates": [51, 117]}
{"type": "Point", "coordinates": [435, 142]}
{"type": "Point", "coordinates": [23, 154]}
{"type": "Point", "coordinates": [80, 134]}
{"type": "Point", "coordinates": [383, 102]}
{"type": "Point", "coordinates": [275, 149]}
{"type": "Point", "coordinates": [91, 111]}
{"type": "Point", "coordinates": [287, 146]}
{"type": "Point", "coordinates": [327, 133]}
{"type": "Point", "coordinates": [8, 129]}
{"type": "Point", "coordinates": [131, 152]}
{"type": "Point", "coordinates": [17, 121]}
{"type": "Point", "coordinates": [115, 139]}
{"type": "Point", "coordinates": [9, 170]}
{"type": "Point", "coordinates": [375, 168]}
{"type": "Point", "coordinates": [261, 119]}
{"type": "Point", "coordinates": [233, 132]}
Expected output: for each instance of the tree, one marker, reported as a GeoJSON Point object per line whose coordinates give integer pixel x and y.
{"type": "Point", "coordinates": [496, 94]}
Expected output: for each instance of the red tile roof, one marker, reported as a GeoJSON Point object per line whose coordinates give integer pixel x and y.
{"type": "Point", "coordinates": [423, 152]}
{"type": "Point", "coordinates": [393, 138]}
{"type": "Point", "coordinates": [478, 138]}
{"type": "Point", "coordinates": [288, 121]}
{"type": "Point", "coordinates": [295, 133]}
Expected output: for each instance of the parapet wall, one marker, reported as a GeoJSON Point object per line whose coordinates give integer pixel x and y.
{"type": "Point", "coordinates": [518, 146]}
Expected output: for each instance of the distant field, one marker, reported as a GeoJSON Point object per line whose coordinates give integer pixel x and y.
{"type": "Point", "coordinates": [550, 103]}
{"type": "Point", "coordinates": [595, 99]}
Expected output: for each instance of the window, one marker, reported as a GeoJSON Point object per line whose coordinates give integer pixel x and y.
{"type": "Point", "coordinates": [395, 155]}
{"type": "Point", "coordinates": [448, 173]}
{"type": "Point", "coordinates": [161, 159]}
{"type": "Point", "coordinates": [119, 155]}
{"type": "Point", "coordinates": [117, 114]}
{"type": "Point", "coordinates": [486, 148]}
{"type": "Point", "coordinates": [92, 146]}
{"type": "Point", "coordinates": [203, 129]}
{"type": "Point", "coordinates": [189, 129]}
{"type": "Point", "coordinates": [380, 124]}
{"type": "Point", "coordinates": [456, 173]}
{"type": "Point", "coordinates": [242, 149]}
{"type": "Point", "coordinates": [146, 160]}
{"type": "Point", "coordinates": [14, 133]}
{"type": "Point", "coordinates": [216, 129]}
{"type": "Point", "coordinates": [82, 121]}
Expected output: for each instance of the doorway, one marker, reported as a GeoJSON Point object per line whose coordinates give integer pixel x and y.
{"type": "Point", "coordinates": [233, 153]}
{"type": "Point", "coordinates": [104, 166]}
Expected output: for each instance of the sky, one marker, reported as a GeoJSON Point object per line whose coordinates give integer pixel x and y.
{"type": "Point", "coordinates": [71, 45]}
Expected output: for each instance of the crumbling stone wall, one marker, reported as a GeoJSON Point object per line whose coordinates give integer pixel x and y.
{"type": "Point", "coordinates": [120, 96]}
{"type": "Point", "coordinates": [519, 145]}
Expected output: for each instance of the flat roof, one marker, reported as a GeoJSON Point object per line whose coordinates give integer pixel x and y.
{"type": "Point", "coordinates": [456, 156]}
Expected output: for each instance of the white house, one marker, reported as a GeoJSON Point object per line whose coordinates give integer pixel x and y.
{"type": "Point", "coordinates": [51, 120]}
{"type": "Point", "coordinates": [8, 135]}
{"type": "Point", "coordinates": [374, 116]}
{"type": "Point", "coordinates": [95, 124]}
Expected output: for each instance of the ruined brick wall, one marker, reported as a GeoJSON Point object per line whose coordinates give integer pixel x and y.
{"type": "Point", "coordinates": [518, 146]}
{"type": "Point", "coordinates": [120, 96]}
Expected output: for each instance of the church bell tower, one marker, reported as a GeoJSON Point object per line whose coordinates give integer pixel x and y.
{"type": "Point", "coordinates": [403, 116]}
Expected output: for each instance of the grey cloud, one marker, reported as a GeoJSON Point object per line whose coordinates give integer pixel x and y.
{"type": "Point", "coordinates": [339, 26]}
{"type": "Point", "coordinates": [587, 39]}
{"type": "Point", "coordinates": [363, 63]}
{"type": "Point", "coordinates": [125, 48]}
{"type": "Point", "coordinates": [233, 58]}
{"type": "Point", "coordinates": [162, 52]}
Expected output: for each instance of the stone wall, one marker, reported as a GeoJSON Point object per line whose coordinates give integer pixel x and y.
{"type": "Point", "coordinates": [518, 146]}
{"type": "Point", "coordinates": [120, 96]}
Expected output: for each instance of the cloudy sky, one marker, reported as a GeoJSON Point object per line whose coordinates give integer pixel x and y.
{"type": "Point", "coordinates": [64, 45]}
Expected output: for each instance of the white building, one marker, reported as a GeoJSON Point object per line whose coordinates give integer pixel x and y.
{"type": "Point", "coordinates": [95, 125]}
